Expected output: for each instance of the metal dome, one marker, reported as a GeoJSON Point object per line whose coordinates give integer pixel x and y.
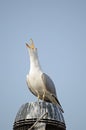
{"type": "Point", "coordinates": [30, 112]}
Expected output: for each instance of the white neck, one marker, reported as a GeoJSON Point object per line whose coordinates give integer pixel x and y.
{"type": "Point", "coordinates": [34, 63]}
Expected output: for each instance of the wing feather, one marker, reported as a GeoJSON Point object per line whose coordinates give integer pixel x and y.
{"type": "Point", "coordinates": [49, 85]}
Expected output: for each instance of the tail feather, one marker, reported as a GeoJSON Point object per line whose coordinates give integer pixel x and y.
{"type": "Point", "coordinates": [57, 102]}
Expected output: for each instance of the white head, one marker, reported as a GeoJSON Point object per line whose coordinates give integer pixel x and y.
{"type": "Point", "coordinates": [31, 48]}
{"type": "Point", "coordinates": [34, 61]}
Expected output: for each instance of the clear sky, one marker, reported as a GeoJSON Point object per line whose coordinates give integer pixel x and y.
{"type": "Point", "coordinates": [58, 28]}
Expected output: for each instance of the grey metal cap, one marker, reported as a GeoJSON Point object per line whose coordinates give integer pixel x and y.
{"type": "Point", "coordinates": [30, 112]}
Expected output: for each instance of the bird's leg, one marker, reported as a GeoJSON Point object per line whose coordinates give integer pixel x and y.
{"type": "Point", "coordinates": [43, 96]}
{"type": "Point", "coordinates": [38, 103]}
{"type": "Point", "coordinates": [37, 95]}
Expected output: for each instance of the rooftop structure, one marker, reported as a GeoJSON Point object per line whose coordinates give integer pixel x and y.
{"type": "Point", "coordinates": [39, 116]}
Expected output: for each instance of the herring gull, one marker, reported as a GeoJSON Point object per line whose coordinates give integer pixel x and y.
{"type": "Point", "coordinates": [39, 83]}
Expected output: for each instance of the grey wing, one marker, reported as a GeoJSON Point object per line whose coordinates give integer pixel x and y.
{"type": "Point", "coordinates": [49, 85]}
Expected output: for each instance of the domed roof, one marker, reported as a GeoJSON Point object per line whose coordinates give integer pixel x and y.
{"type": "Point", "coordinates": [29, 112]}
{"type": "Point", "coordinates": [36, 109]}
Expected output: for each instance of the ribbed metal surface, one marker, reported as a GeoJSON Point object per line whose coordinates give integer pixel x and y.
{"type": "Point", "coordinates": [30, 112]}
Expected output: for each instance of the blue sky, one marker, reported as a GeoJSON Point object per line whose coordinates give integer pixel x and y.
{"type": "Point", "coordinates": [58, 29]}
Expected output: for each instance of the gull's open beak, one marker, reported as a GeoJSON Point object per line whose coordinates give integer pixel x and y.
{"type": "Point", "coordinates": [31, 45]}
{"type": "Point", "coordinates": [27, 45]}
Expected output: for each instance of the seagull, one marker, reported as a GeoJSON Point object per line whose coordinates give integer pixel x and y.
{"type": "Point", "coordinates": [39, 83]}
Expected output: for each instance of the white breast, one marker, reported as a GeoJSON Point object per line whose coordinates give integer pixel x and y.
{"type": "Point", "coordinates": [35, 82]}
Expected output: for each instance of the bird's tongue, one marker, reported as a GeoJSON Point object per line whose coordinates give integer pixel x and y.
{"type": "Point", "coordinates": [32, 45]}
